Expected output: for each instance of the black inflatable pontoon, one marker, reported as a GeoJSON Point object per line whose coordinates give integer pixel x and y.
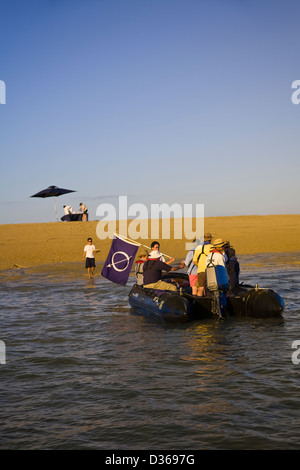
{"type": "Point", "coordinates": [181, 306]}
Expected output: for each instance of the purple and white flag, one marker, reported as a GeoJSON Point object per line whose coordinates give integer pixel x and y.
{"type": "Point", "coordinates": [119, 261]}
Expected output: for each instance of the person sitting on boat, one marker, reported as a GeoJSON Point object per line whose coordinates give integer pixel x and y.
{"type": "Point", "coordinates": [153, 269]}
{"type": "Point", "coordinates": [139, 267]}
{"type": "Point", "coordinates": [199, 260]}
{"type": "Point", "coordinates": [155, 246]}
{"type": "Point", "coordinates": [233, 269]}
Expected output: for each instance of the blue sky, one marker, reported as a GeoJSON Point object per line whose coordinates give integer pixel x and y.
{"type": "Point", "coordinates": [165, 101]}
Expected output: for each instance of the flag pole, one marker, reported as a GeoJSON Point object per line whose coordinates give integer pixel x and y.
{"type": "Point", "coordinates": [140, 244]}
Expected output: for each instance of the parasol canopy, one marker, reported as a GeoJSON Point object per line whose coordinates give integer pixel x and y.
{"type": "Point", "coordinates": [53, 191]}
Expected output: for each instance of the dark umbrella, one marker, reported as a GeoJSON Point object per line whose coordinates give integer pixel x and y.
{"type": "Point", "coordinates": [53, 191]}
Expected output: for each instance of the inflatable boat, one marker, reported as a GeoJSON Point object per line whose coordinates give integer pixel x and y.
{"type": "Point", "coordinates": [182, 306]}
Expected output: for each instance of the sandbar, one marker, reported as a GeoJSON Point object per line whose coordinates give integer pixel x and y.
{"type": "Point", "coordinates": [60, 244]}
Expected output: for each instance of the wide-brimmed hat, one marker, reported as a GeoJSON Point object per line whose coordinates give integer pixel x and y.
{"type": "Point", "coordinates": [155, 254]}
{"type": "Point", "coordinates": [143, 253]}
{"type": "Point", "coordinates": [207, 236]}
{"type": "Point", "coordinates": [218, 243]}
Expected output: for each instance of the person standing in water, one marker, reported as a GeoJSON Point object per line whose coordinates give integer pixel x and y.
{"type": "Point", "coordinates": [89, 257]}
{"type": "Point", "coordinates": [199, 260]}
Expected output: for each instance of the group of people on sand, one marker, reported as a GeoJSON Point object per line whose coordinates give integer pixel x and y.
{"type": "Point", "coordinates": [150, 266]}
{"type": "Point", "coordinates": [82, 208]}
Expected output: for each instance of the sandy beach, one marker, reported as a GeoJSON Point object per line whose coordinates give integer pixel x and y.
{"type": "Point", "coordinates": [58, 243]}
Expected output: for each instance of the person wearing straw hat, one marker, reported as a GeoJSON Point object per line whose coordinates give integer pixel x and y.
{"type": "Point", "coordinates": [217, 257]}
{"type": "Point", "coordinates": [199, 260]}
{"type": "Point", "coordinates": [139, 267]}
{"type": "Point", "coordinates": [216, 254]}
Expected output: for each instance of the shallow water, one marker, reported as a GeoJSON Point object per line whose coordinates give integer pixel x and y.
{"type": "Point", "coordinates": [84, 371]}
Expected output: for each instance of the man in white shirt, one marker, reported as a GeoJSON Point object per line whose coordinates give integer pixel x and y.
{"type": "Point", "coordinates": [89, 257]}
{"type": "Point", "coordinates": [68, 210]}
{"type": "Point", "coordinates": [155, 246]}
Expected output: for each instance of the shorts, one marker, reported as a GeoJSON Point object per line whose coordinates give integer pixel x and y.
{"type": "Point", "coordinates": [201, 279]}
{"type": "Point", "coordinates": [90, 262]}
{"type": "Point", "coordinates": [193, 279]}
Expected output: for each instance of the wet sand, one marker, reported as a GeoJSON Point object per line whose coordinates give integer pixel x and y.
{"type": "Point", "coordinates": [60, 244]}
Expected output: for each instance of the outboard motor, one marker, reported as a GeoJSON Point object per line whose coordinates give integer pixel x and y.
{"type": "Point", "coordinates": [217, 284]}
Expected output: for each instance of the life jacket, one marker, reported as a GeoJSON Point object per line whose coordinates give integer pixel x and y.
{"type": "Point", "coordinates": [216, 275]}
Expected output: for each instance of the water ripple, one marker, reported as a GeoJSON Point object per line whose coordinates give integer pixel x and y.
{"type": "Point", "coordinates": [84, 371]}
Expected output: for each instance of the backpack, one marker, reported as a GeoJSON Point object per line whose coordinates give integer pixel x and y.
{"type": "Point", "coordinates": [216, 276]}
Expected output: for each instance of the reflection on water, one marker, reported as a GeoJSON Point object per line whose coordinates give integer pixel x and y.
{"type": "Point", "coordinates": [85, 371]}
